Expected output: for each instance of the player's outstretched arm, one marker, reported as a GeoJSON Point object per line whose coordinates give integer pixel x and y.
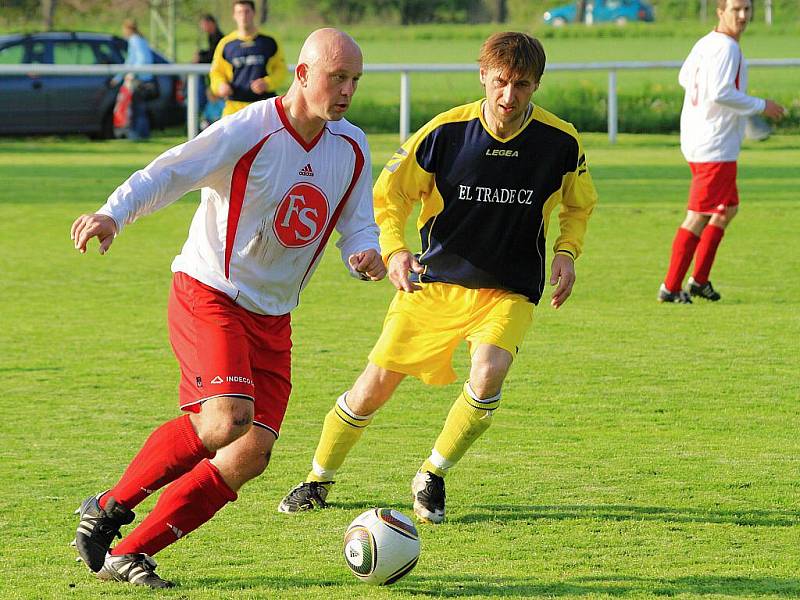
{"type": "Point", "coordinates": [400, 264]}
{"type": "Point", "coordinates": [368, 263]}
{"type": "Point", "coordinates": [562, 273]}
{"type": "Point", "coordinates": [86, 227]}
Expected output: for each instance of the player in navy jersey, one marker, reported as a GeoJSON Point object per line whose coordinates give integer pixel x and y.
{"type": "Point", "coordinates": [277, 178]}
{"type": "Point", "coordinates": [487, 175]}
{"type": "Point", "coordinates": [247, 65]}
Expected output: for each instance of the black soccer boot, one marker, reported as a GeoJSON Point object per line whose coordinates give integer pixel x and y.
{"type": "Point", "coordinates": [681, 297]}
{"type": "Point", "coordinates": [138, 569]}
{"type": "Point", "coordinates": [706, 290]}
{"type": "Point", "coordinates": [308, 495]}
{"type": "Point", "coordinates": [427, 490]}
{"type": "Point", "coordinates": [97, 529]}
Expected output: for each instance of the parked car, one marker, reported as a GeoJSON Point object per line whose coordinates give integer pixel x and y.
{"type": "Point", "coordinates": [55, 104]}
{"type": "Point", "coordinates": [602, 11]}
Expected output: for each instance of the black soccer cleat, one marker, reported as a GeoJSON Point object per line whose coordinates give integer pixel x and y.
{"type": "Point", "coordinates": [97, 529]}
{"type": "Point", "coordinates": [308, 495]}
{"type": "Point", "coordinates": [706, 290]}
{"type": "Point", "coordinates": [138, 569]}
{"type": "Point", "coordinates": [427, 490]}
{"type": "Point", "coordinates": [680, 297]}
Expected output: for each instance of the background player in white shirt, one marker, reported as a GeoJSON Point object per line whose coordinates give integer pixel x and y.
{"type": "Point", "coordinates": [277, 178]}
{"type": "Point", "coordinates": [715, 108]}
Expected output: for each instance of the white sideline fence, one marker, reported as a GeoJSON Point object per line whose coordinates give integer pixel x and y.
{"type": "Point", "coordinates": [193, 71]}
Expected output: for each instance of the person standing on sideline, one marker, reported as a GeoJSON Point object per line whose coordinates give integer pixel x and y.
{"type": "Point", "coordinates": [715, 110]}
{"type": "Point", "coordinates": [143, 86]}
{"type": "Point", "coordinates": [208, 25]}
{"type": "Point", "coordinates": [247, 65]}
{"type": "Point", "coordinates": [487, 174]}
{"type": "Point", "coordinates": [277, 178]}
{"type": "Point", "coordinates": [210, 107]}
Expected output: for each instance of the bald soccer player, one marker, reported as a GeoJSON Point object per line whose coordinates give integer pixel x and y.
{"type": "Point", "coordinates": [277, 177]}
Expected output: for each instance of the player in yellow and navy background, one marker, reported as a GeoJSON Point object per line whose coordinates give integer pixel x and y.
{"type": "Point", "coordinates": [487, 175]}
{"type": "Point", "coordinates": [247, 65]}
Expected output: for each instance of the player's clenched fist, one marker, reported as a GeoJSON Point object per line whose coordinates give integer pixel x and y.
{"type": "Point", "coordinates": [368, 264]}
{"type": "Point", "coordinates": [86, 227]}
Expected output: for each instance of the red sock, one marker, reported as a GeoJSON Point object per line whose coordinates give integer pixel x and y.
{"type": "Point", "coordinates": [183, 507]}
{"type": "Point", "coordinates": [169, 452]}
{"type": "Point", "coordinates": [683, 247]}
{"type": "Point", "coordinates": [706, 251]}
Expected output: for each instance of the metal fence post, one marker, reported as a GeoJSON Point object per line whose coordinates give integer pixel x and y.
{"type": "Point", "coordinates": [612, 106]}
{"type": "Point", "coordinates": [191, 105]}
{"type": "Point", "coordinates": [405, 106]}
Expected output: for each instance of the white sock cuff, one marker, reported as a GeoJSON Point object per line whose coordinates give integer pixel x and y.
{"type": "Point", "coordinates": [439, 461]}
{"type": "Point", "coordinates": [341, 402]}
{"type": "Point", "coordinates": [474, 396]}
{"type": "Point", "coordinates": [322, 473]}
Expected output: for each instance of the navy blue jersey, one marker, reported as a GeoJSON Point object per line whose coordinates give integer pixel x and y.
{"type": "Point", "coordinates": [239, 61]}
{"type": "Point", "coordinates": [486, 201]}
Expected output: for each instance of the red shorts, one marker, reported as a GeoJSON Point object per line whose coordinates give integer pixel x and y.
{"type": "Point", "coordinates": [225, 350]}
{"type": "Point", "coordinates": [713, 187]}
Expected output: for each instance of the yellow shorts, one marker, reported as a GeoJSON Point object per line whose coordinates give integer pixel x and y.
{"type": "Point", "coordinates": [422, 330]}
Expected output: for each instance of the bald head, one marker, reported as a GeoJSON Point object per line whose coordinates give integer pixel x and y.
{"type": "Point", "coordinates": [329, 45]}
{"type": "Point", "coordinates": [325, 79]}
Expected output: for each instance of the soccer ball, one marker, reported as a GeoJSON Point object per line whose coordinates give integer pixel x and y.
{"type": "Point", "coordinates": [381, 545]}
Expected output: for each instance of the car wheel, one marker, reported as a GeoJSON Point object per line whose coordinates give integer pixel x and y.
{"type": "Point", "coordinates": [621, 21]}
{"type": "Point", "coordinates": [106, 127]}
{"type": "Point", "coordinates": [558, 22]}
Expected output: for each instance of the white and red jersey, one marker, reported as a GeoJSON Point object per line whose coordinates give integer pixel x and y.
{"type": "Point", "coordinates": [269, 203]}
{"type": "Point", "coordinates": [715, 105]}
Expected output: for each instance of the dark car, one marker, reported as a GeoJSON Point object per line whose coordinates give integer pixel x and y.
{"type": "Point", "coordinates": [602, 11]}
{"type": "Point", "coordinates": [74, 103]}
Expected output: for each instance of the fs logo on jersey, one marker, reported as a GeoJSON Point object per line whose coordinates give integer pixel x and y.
{"type": "Point", "coordinates": [301, 216]}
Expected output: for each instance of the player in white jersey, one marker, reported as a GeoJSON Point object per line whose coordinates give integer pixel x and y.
{"type": "Point", "coordinates": [715, 108]}
{"type": "Point", "coordinates": [277, 178]}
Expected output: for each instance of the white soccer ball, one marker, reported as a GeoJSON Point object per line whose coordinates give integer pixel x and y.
{"type": "Point", "coordinates": [381, 545]}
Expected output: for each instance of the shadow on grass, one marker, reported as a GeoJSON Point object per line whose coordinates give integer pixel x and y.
{"type": "Point", "coordinates": [265, 583]}
{"type": "Point", "coordinates": [452, 585]}
{"type": "Point", "coordinates": [530, 587]}
{"type": "Point", "coordinates": [614, 512]}
{"type": "Point", "coordinates": [28, 369]}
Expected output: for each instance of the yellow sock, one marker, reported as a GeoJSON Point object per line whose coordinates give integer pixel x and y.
{"type": "Point", "coordinates": [469, 417]}
{"type": "Point", "coordinates": [340, 432]}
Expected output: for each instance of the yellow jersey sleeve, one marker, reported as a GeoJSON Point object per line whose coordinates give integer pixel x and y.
{"type": "Point", "coordinates": [402, 182]}
{"type": "Point", "coordinates": [276, 70]}
{"type": "Point", "coordinates": [221, 70]}
{"type": "Point", "coordinates": [579, 197]}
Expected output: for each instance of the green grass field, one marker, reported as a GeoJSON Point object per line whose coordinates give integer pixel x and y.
{"type": "Point", "coordinates": [640, 451]}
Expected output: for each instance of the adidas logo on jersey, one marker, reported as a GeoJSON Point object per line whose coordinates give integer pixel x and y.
{"type": "Point", "coordinates": [307, 171]}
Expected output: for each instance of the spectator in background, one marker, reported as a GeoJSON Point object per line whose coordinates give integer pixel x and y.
{"type": "Point", "coordinates": [208, 24]}
{"type": "Point", "coordinates": [715, 109]}
{"type": "Point", "coordinates": [210, 106]}
{"type": "Point", "coordinates": [142, 86]}
{"type": "Point", "coordinates": [248, 66]}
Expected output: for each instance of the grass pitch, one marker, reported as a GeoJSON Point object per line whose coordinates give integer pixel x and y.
{"type": "Point", "coordinates": [641, 450]}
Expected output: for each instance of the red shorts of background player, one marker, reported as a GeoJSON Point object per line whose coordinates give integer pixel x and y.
{"type": "Point", "coordinates": [713, 187]}
{"type": "Point", "coordinates": [225, 350]}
